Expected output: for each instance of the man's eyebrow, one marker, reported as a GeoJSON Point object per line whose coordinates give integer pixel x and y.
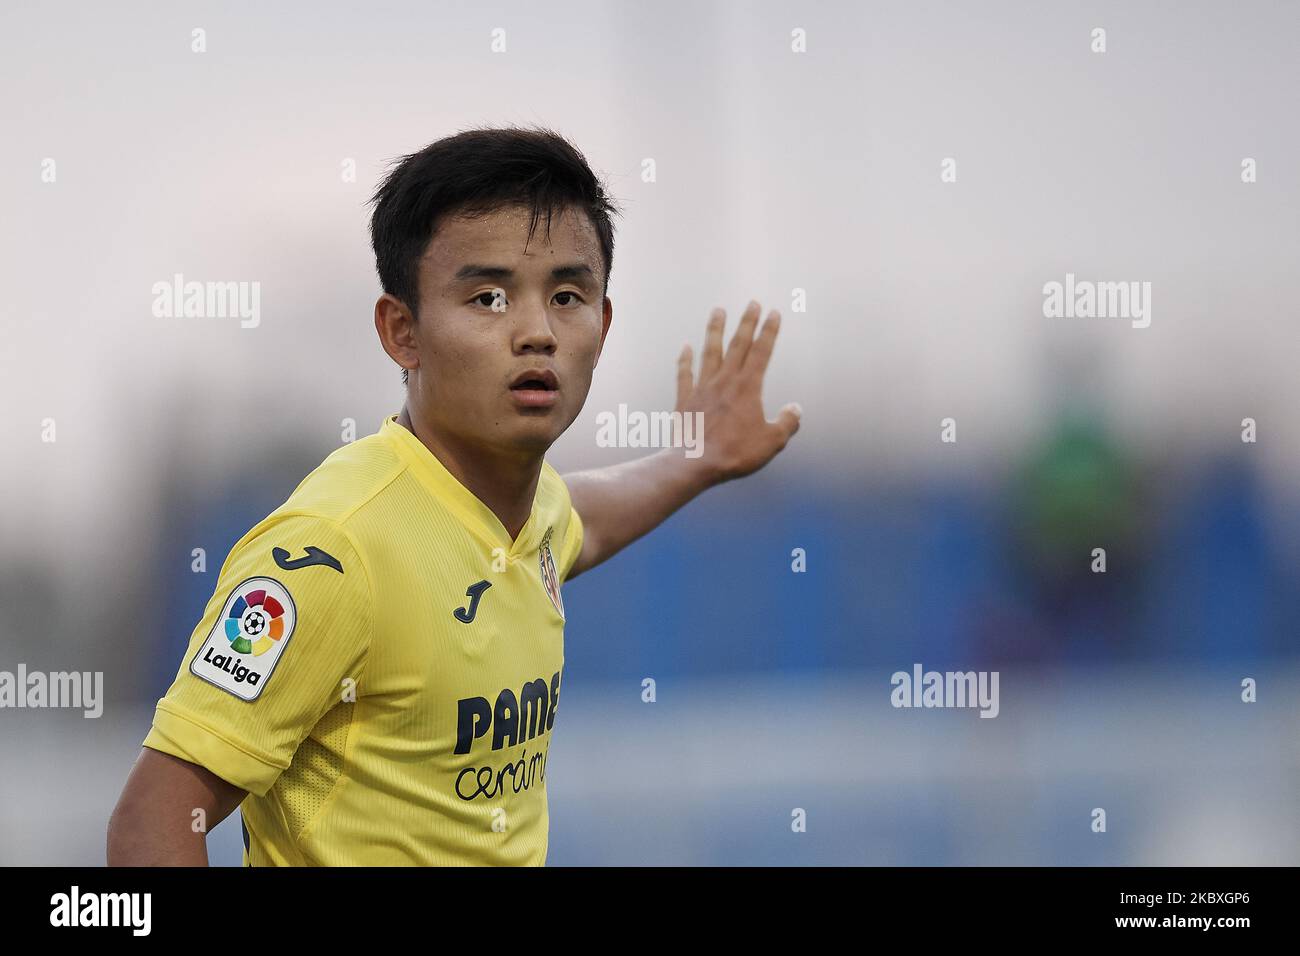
{"type": "Point", "coordinates": [575, 272]}
{"type": "Point", "coordinates": [472, 271]}
{"type": "Point", "coordinates": [482, 272]}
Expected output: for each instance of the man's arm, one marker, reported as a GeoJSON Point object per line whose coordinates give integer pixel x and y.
{"type": "Point", "coordinates": [621, 503]}
{"type": "Point", "coordinates": [153, 823]}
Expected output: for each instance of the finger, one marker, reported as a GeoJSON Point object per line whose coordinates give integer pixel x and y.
{"type": "Point", "coordinates": [761, 352]}
{"type": "Point", "coordinates": [712, 357]}
{"type": "Point", "coordinates": [684, 379]}
{"type": "Point", "coordinates": [744, 337]}
{"type": "Point", "coordinates": [788, 419]}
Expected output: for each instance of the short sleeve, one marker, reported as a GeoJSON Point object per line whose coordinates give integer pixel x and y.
{"type": "Point", "coordinates": [572, 544]}
{"type": "Point", "coordinates": [290, 621]}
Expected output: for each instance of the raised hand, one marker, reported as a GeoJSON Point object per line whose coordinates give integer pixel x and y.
{"type": "Point", "coordinates": [738, 438]}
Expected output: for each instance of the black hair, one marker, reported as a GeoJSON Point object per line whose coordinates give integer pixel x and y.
{"type": "Point", "coordinates": [472, 173]}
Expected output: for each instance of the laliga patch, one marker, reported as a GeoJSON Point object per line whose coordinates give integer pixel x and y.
{"type": "Point", "coordinates": [246, 642]}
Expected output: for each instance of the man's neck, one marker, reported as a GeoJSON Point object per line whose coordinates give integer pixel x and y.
{"type": "Point", "coordinates": [507, 485]}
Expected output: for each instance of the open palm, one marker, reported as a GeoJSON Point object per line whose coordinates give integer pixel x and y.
{"type": "Point", "coordinates": [738, 438]}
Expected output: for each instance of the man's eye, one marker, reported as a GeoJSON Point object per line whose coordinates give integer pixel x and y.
{"type": "Point", "coordinates": [572, 295]}
{"type": "Point", "coordinates": [491, 297]}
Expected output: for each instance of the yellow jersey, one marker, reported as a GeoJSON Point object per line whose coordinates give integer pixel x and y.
{"type": "Point", "coordinates": [379, 667]}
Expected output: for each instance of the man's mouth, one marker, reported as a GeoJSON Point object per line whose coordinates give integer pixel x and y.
{"type": "Point", "coordinates": [535, 388]}
{"type": "Point", "coordinates": [536, 378]}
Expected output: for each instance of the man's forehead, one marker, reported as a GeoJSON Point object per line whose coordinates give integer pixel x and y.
{"type": "Point", "coordinates": [498, 238]}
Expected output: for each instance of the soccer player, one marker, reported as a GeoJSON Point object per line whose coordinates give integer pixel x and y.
{"type": "Point", "coordinates": [377, 675]}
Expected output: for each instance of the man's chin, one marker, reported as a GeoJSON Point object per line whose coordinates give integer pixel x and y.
{"type": "Point", "coordinates": [534, 434]}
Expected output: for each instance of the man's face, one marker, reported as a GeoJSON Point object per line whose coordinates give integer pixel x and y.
{"type": "Point", "coordinates": [514, 377]}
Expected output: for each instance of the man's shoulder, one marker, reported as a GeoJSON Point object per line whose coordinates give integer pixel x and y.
{"type": "Point", "coordinates": [343, 484]}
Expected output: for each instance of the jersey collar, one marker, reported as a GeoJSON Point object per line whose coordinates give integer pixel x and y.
{"type": "Point", "coordinates": [477, 516]}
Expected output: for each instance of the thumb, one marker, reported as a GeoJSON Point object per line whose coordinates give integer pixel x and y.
{"type": "Point", "coordinates": [788, 419]}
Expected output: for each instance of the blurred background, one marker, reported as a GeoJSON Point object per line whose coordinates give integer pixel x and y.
{"type": "Point", "coordinates": [774, 171]}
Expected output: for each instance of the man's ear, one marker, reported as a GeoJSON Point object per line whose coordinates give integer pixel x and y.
{"type": "Point", "coordinates": [606, 317]}
{"type": "Point", "coordinates": [396, 326]}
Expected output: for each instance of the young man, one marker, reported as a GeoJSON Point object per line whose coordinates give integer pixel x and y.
{"type": "Point", "coordinates": [377, 675]}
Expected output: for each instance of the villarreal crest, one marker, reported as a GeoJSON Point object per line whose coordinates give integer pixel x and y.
{"type": "Point", "coordinates": [550, 576]}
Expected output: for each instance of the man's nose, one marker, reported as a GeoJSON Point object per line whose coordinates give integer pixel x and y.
{"type": "Point", "coordinates": [533, 328]}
